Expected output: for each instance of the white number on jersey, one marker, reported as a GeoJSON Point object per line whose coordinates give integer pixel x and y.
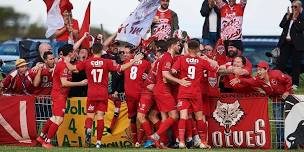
{"type": "Point", "coordinates": [191, 72]}
{"type": "Point", "coordinates": [97, 75]}
{"type": "Point", "coordinates": [133, 73]}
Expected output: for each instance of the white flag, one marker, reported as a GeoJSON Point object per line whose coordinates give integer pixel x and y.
{"type": "Point", "coordinates": [138, 23]}
{"type": "Point", "coordinates": [54, 19]}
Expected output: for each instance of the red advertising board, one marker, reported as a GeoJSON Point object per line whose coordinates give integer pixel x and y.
{"type": "Point", "coordinates": [239, 120]}
{"type": "Point", "coordinates": [17, 120]}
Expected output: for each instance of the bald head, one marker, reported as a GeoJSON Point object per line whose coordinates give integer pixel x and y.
{"type": "Point", "coordinates": [44, 47]}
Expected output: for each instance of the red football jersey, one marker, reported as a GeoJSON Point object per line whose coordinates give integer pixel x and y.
{"type": "Point", "coordinates": [164, 64]}
{"type": "Point", "coordinates": [97, 70]}
{"type": "Point", "coordinates": [192, 68]}
{"type": "Point", "coordinates": [46, 83]}
{"type": "Point", "coordinates": [134, 78]}
{"type": "Point", "coordinates": [163, 29]}
{"type": "Point", "coordinates": [60, 71]}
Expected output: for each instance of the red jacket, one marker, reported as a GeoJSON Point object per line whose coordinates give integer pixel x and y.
{"type": "Point", "coordinates": [17, 84]}
{"type": "Point", "coordinates": [279, 83]}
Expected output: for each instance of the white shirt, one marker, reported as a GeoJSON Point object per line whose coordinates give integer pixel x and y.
{"type": "Point", "coordinates": [212, 21]}
{"type": "Point", "coordinates": [288, 34]}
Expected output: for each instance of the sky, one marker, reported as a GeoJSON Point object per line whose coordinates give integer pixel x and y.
{"type": "Point", "coordinates": [262, 17]}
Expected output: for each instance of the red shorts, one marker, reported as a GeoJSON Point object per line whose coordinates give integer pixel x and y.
{"type": "Point", "coordinates": [194, 104]}
{"type": "Point", "coordinates": [165, 102]}
{"type": "Point", "coordinates": [59, 105]}
{"type": "Point", "coordinates": [96, 105]}
{"type": "Point", "coordinates": [146, 102]}
{"type": "Point", "coordinates": [132, 105]}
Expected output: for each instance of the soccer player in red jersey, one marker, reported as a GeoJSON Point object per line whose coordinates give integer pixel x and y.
{"type": "Point", "coordinates": [162, 91]}
{"type": "Point", "coordinates": [61, 83]}
{"type": "Point", "coordinates": [192, 67]}
{"type": "Point", "coordinates": [42, 77]}
{"type": "Point", "coordinates": [134, 83]}
{"type": "Point", "coordinates": [97, 70]}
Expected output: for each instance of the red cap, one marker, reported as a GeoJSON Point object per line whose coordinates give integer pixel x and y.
{"type": "Point", "coordinates": [263, 64]}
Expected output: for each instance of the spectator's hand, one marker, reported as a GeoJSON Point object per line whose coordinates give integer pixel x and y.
{"type": "Point", "coordinates": [86, 35]}
{"type": "Point", "coordinates": [211, 3]}
{"type": "Point", "coordinates": [115, 95]}
{"type": "Point", "coordinates": [184, 82]}
{"type": "Point", "coordinates": [285, 95]}
{"type": "Point", "coordinates": [234, 81]}
{"type": "Point", "coordinates": [288, 13]}
{"type": "Point", "coordinates": [84, 82]}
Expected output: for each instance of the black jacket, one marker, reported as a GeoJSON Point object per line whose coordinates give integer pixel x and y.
{"type": "Point", "coordinates": [205, 11]}
{"type": "Point", "coordinates": [296, 32]}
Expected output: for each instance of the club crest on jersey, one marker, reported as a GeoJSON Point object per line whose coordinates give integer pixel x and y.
{"type": "Point", "coordinates": [274, 82]}
{"type": "Point", "coordinates": [191, 60]}
{"type": "Point", "coordinates": [212, 81]}
{"type": "Point", "coordinates": [96, 63]}
{"type": "Point", "coordinates": [220, 49]}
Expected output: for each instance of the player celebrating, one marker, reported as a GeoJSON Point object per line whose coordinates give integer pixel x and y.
{"type": "Point", "coordinates": [134, 81]}
{"type": "Point", "coordinates": [61, 83]}
{"type": "Point", "coordinates": [97, 70]}
{"type": "Point", "coordinates": [162, 91]}
{"type": "Point", "coordinates": [192, 67]}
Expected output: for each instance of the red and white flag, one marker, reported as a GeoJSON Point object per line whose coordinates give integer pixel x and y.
{"type": "Point", "coordinates": [85, 27]}
{"type": "Point", "coordinates": [54, 19]}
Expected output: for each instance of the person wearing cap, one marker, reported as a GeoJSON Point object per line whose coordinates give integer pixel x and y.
{"type": "Point", "coordinates": [165, 22]}
{"type": "Point", "coordinates": [18, 81]}
{"type": "Point", "coordinates": [291, 41]}
{"type": "Point", "coordinates": [277, 85]}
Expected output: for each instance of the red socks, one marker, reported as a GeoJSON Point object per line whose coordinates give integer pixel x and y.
{"type": "Point", "coordinates": [181, 130]}
{"type": "Point", "coordinates": [134, 132]}
{"type": "Point", "coordinates": [88, 123]}
{"type": "Point", "coordinates": [100, 127]}
{"type": "Point", "coordinates": [165, 125]}
{"type": "Point", "coordinates": [52, 131]}
{"type": "Point", "coordinates": [46, 126]}
{"type": "Point", "coordinates": [189, 128]}
{"type": "Point", "coordinates": [202, 130]}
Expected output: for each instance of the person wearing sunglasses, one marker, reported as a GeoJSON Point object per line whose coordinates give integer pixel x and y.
{"type": "Point", "coordinates": [291, 41]}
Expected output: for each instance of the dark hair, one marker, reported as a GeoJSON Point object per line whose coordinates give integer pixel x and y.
{"type": "Point", "coordinates": [161, 44]}
{"type": "Point", "coordinates": [161, 50]}
{"type": "Point", "coordinates": [66, 49]}
{"type": "Point", "coordinates": [244, 61]}
{"type": "Point", "coordinates": [193, 44]}
{"type": "Point", "coordinates": [97, 48]}
{"type": "Point", "coordinates": [171, 41]}
{"type": "Point", "coordinates": [45, 54]}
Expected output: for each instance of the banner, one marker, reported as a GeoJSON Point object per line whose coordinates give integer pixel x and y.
{"type": "Point", "coordinates": [72, 132]}
{"type": "Point", "coordinates": [17, 120]}
{"type": "Point", "coordinates": [239, 120]}
{"type": "Point", "coordinates": [294, 121]}
{"type": "Point", "coordinates": [137, 24]}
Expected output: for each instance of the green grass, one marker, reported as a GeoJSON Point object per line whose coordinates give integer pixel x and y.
{"type": "Point", "coordinates": [70, 149]}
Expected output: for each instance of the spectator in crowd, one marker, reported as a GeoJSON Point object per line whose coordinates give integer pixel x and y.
{"type": "Point", "coordinates": [232, 20]}
{"type": "Point", "coordinates": [212, 24]}
{"type": "Point", "coordinates": [42, 77]}
{"type": "Point", "coordinates": [18, 81]}
{"type": "Point", "coordinates": [278, 86]}
{"type": "Point", "coordinates": [165, 22]}
{"type": "Point", "coordinates": [291, 41]}
{"type": "Point", "coordinates": [68, 33]}
{"type": "Point", "coordinates": [80, 91]}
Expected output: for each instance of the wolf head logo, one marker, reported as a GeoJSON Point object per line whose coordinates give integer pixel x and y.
{"type": "Point", "coordinates": [227, 115]}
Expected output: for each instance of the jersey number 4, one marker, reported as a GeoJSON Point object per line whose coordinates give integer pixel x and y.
{"type": "Point", "coordinates": [97, 75]}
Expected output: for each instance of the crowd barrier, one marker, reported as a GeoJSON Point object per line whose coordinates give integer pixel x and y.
{"type": "Point", "coordinates": [43, 112]}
